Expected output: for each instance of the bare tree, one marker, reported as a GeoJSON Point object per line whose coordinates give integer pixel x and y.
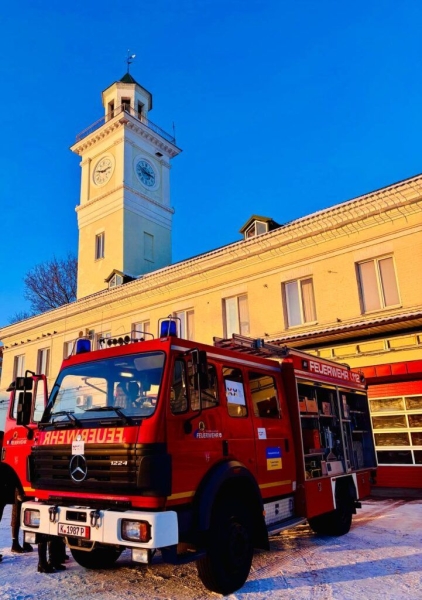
{"type": "Point", "coordinates": [49, 285]}
{"type": "Point", "coordinates": [20, 316]}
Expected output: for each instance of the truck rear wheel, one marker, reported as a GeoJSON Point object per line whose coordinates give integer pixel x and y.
{"type": "Point", "coordinates": [229, 549]}
{"type": "Point", "coordinates": [99, 558]}
{"type": "Point", "coordinates": [335, 523]}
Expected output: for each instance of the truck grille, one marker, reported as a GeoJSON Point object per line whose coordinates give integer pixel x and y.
{"type": "Point", "coordinates": [114, 468]}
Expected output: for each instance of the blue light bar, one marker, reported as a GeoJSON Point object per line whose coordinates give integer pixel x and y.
{"type": "Point", "coordinates": [82, 346]}
{"type": "Point", "coordinates": [168, 328]}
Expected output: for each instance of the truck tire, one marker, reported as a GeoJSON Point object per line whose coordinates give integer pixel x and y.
{"type": "Point", "coordinates": [229, 548]}
{"type": "Point", "coordinates": [335, 523]}
{"type": "Point", "coordinates": [99, 558]}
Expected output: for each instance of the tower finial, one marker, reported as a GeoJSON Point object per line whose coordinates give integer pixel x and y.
{"type": "Point", "coordinates": [129, 60]}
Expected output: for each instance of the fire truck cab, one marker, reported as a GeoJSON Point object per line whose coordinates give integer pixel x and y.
{"type": "Point", "coordinates": [197, 451]}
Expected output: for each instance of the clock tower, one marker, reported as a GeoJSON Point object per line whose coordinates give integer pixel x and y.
{"type": "Point", "coordinates": [124, 215]}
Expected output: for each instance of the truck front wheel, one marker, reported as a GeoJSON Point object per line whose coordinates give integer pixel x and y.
{"type": "Point", "coordinates": [229, 548]}
{"type": "Point", "coordinates": [98, 558]}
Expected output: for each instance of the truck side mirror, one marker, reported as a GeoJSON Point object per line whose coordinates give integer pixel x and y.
{"type": "Point", "coordinates": [200, 369]}
{"type": "Point", "coordinates": [24, 408]}
{"type": "Point", "coordinates": [24, 384]}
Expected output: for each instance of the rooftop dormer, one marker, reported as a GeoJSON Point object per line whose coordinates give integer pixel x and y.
{"type": "Point", "coordinates": [257, 225]}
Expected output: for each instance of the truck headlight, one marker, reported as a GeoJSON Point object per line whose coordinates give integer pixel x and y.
{"type": "Point", "coordinates": [31, 517]}
{"type": "Point", "coordinates": [136, 531]}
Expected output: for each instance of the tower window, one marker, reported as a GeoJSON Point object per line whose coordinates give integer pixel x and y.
{"type": "Point", "coordinates": [148, 247]}
{"type": "Point", "coordinates": [140, 111]}
{"type": "Point", "coordinates": [126, 104]}
{"type": "Point", "coordinates": [99, 245]}
{"type": "Point", "coordinates": [111, 109]}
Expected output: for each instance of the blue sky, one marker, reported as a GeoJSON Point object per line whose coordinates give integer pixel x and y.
{"type": "Point", "coordinates": [281, 108]}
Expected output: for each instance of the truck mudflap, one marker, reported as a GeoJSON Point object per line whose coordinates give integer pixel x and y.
{"type": "Point", "coordinates": [89, 527]}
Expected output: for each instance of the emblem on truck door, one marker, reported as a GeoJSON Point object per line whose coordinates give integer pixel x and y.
{"type": "Point", "coordinates": [78, 468]}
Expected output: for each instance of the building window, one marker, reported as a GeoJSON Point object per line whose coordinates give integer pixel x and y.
{"type": "Point", "coordinates": [99, 245]}
{"type": "Point", "coordinates": [68, 348]}
{"type": "Point", "coordinates": [299, 302]}
{"type": "Point", "coordinates": [115, 281]}
{"type": "Point", "coordinates": [140, 111]}
{"type": "Point", "coordinates": [257, 228]}
{"type": "Point", "coordinates": [19, 366]}
{"type": "Point", "coordinates": [101, 339]}
{"type": "Point", "coordinates": [397, 425]}
{"type": "Point", "coordinates": [377, 284]}
{"type": "Point", "coordinates": [126, 104]}
{"type": "Point", "coordinates": [236, 315]}
{"type": "Point", "coordinates": [148, 247]}
{"type": "Point", "coordinates": [43, 361]}
{"type": "Point", "coordinates": [140, 329]}
{"type": "Point", "coordinates": [186, 324]}
{"type": "Point", "coordinates": [111, 109]}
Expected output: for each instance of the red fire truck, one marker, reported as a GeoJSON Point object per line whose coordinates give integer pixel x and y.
{"type": "Point", "coordinates": [199, 451]}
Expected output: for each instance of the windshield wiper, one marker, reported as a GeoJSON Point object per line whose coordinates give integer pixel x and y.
{"type": "Point", "coordinates": [72, 419]}
{"type": "Point", "coordinates": [117, 410]}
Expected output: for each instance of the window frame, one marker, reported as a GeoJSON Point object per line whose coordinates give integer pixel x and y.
{"type": "Point", "coordinates": [379, 286]}
{"type": "Point", "coordinates": [18, 369]}
{"type": "Point", "coordinates": [185, 331]}
{"type": "Point", "coordinates": [390, 411]}
{"type": "Point", "coordinates": [41, 360]}
{"type": "Point", "coordinates": [99, 245]}
{"type": "Point", "coordinates": [301, 307]}
{"type": "Point", "coordinates": [241, 329]}
{"type": "Point", "coordinates": [149, 247]}
{"type": "Point", "coordinates": [144, 327]}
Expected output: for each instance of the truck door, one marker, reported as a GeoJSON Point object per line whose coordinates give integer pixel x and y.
{"type": "Point", "coordinates": [272, 431]}
{"type": "Point", "coordinates": [194, 437]}
{"type": "Point", "coordinates": [238, 428]}
{"type": "Point", "coordinates": [18, 439]}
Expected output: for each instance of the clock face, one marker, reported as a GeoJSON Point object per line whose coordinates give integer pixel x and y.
{"type": "Point", "coordinates": [146, 173]}
{"type": "Point", "coordinates": [103, 170]}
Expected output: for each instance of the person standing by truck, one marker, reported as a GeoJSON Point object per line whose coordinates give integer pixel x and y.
{"type": "Point", "coordinates": [15, 524]}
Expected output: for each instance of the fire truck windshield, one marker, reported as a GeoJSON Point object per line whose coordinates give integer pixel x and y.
{"type": "Point", "coordinates": [123, 387]}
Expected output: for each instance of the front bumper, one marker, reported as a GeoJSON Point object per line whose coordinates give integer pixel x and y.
{"type": "Point", "coordinates": [105, 526]}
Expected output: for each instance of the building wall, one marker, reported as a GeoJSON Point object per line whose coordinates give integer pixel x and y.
{"type": "Point", "coordinates": [324, 247]}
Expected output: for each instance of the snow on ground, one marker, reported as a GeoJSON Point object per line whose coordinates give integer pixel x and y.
{"type": "Point", "coordinates": [381, 557]}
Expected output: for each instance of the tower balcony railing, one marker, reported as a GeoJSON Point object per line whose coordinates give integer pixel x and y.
{"type": "Point", "coordinates": [125, 108]}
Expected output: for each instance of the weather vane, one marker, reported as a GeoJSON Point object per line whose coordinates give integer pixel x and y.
{"type": "Point", "coordinates": [129, 60]}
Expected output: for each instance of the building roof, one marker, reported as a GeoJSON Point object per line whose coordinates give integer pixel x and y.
{"type": "Point", "coordinates": [127, 78]}
{"type": "Point", "coordinates": [357, 329]}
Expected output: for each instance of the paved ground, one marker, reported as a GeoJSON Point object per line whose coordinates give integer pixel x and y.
{"type": "Point", "coordinates": [380, 557]}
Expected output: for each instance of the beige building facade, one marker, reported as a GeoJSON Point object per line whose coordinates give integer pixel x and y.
{"type": "Point", "coordinates": [343, 282]}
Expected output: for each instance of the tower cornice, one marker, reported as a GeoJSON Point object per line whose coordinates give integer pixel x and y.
{"type": "Point", "coordinates": [101, 129]}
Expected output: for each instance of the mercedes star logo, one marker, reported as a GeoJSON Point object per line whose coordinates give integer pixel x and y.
{"type": "Point", "coordinates": [78, 468]}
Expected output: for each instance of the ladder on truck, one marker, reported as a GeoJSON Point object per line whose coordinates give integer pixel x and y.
{"type": "Point", "coordinates": [253, 346]}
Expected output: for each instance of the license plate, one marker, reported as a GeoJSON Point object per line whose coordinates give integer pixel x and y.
{"type": "Point", "coordinates": [80, 531]}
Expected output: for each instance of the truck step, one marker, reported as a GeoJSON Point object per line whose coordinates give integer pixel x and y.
{"type": "Point", "coordinates": [287, 524]}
